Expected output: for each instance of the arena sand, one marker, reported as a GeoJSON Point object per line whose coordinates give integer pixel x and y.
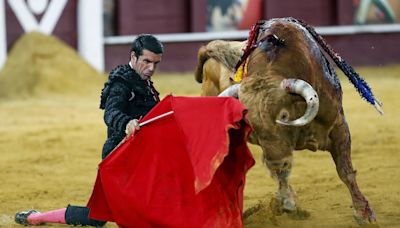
{"type": "Point", "coordinates": [51, 134]}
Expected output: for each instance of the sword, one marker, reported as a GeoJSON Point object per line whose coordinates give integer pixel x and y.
{"type": "Point", "coordinates": [142, 124]}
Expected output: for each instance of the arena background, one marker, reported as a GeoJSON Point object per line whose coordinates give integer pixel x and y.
{"type": "Point", "coordinates": [184, 25]}
{"type": "Point", "coordinates": [51, 130]}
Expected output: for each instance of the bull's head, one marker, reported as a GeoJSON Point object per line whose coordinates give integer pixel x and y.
{"type": "Point", "coordinates": [272, 43]}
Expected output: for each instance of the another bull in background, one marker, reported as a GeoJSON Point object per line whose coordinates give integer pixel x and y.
{"type": "Point", "coordinates": [216, 65]}
{"type": "Point", "coordinates": [281, 61]}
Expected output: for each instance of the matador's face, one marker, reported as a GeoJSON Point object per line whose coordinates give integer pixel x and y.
{"type": "Point", "coordinates": [146, 64]}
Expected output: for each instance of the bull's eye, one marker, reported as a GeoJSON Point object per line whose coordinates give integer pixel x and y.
{"type": "Point", "coordinates": [274, 39]}
{"type": "Point", "coordinates": [283, 115]}
{"type": "Point", "coordinates": [270, 43]}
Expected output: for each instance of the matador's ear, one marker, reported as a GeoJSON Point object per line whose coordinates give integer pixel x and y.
{"type": "Point", "coordinates": [133, 55]}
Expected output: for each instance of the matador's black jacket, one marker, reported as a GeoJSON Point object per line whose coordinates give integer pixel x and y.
{"type": "Point", "coordinates": [125, 96]}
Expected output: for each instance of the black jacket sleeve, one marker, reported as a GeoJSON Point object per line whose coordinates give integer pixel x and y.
{"type": "Point", "coordinates": [116, 105]}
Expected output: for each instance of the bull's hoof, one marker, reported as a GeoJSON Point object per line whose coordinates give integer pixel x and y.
{"type": "Point", "coordinates": [279, 207]}
{"type": "Point", "coordinates": [366, 218]}
{"type": "Point", "coordinates": [289, 205]}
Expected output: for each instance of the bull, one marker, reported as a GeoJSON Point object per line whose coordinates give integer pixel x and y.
{"type": "Point", "coordinates": [294, 100]}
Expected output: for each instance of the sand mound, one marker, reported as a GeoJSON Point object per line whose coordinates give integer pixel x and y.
{"type": "Point", "coordinates": [40, 65]}
{"type": "Point", "coordinates": [266, 213]}
{"type": "Point", "coordinates": [260, 215]}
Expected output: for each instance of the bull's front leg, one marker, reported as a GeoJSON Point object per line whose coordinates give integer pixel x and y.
{"type": "Point", "coordinates": [285, 196]}
{"type": "Point", "coordinates": [340, 152]}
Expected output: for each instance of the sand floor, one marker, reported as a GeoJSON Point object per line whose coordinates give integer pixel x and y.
{"type": "Point", "coordinates": [50, 148]}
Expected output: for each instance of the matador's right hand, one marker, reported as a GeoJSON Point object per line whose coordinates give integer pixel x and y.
{"type": "Point", "coordinates": [132, 126]}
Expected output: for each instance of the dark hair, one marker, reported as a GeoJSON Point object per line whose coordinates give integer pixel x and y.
{"type": "Point", "coordinates": [148, 42]}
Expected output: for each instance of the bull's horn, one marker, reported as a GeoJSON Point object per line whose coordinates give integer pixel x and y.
{"type": "Point", "coordinates": [231, 91]}
{"type": "Point", "coordinates": [308, 93]}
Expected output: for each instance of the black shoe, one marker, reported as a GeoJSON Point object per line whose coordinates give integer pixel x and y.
{"type": "Point", "coordinates": [22, 217]}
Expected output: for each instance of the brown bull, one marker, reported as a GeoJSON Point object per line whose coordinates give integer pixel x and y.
{"type": "Point", "coordinates": [284, 60]}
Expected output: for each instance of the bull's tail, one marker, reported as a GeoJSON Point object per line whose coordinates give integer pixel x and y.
{"type": "Point", "coordinates": [361, 85]}
{"type": "Point", "coordinates": [201, 59]}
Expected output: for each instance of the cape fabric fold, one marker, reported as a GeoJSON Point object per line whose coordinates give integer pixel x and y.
{"type": "Point", "coordinates": [182, 170]}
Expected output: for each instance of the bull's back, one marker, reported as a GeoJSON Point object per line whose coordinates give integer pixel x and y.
{"type": "Point", "coordinates": [216, 77]}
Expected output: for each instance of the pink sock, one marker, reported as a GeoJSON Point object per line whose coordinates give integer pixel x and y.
{"type": "Point", "coordinates": [56, 216]}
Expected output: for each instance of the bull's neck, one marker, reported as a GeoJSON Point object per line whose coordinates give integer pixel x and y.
{"type": "Point", "coordinates": [271, 69]}
{"type": "Point", "coordinates": [286, 69]}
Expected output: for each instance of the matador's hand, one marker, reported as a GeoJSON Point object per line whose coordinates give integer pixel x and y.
{"type": "Point", "coordinates": [131, 126]}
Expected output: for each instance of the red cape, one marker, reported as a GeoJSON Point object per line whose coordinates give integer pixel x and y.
{"type": "Point", "coordinates": [182, 170]}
